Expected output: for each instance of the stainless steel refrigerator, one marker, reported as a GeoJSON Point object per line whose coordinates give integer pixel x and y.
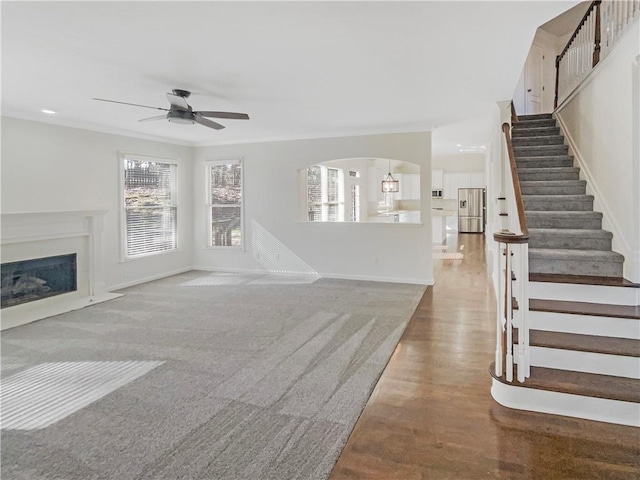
{"type": "Point", "coordinates": [471, 210]}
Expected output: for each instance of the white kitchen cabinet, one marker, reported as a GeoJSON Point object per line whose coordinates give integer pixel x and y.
{"type": "Point", "coordinates": [409, 186]}
{"type": "Point", "coordinates": [453, 181]}
{"type": "Point", "coordinates": [477, 180]}
{"type": "Point", "coordinates": [437, 179]}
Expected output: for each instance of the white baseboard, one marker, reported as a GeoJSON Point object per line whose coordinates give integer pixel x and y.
{"type": "Point", "coordinates": [577, 406]}
{"type": "Point", "coordinates": [148, 279]}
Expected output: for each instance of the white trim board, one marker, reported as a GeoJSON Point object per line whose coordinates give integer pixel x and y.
{"type": "Point", "coordinates": [577, 406]}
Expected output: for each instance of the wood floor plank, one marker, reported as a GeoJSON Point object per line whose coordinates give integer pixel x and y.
{"type": "Point", "coordinates": [432, 416]}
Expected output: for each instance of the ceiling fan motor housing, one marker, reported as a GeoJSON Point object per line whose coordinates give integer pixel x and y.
{"type": "Point", "coordinates": [181, 116]}
{"type": "Point", "coordinates": [181, 93]}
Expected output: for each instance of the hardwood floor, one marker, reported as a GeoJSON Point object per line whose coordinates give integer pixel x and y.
{"type": "Point", "coordinates": [432, 416]}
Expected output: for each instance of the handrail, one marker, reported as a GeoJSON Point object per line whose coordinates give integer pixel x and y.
{"type": "Point", "coordinates": [514, 116]}
{"type": "Point", "coordinates": [506, 128]}
{"type": "Point", "coordinates": [577, 30]}
{"type": "Point", "coordinates": [600, 28]}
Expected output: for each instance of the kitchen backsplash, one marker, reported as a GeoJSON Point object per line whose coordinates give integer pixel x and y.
{"type": "Point", "coordinates": [445, 204]}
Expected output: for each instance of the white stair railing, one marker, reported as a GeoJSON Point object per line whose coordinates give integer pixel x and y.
{"type": "Point", "coordinates": [598, 31]}
{"type": "Point", "coordinates": [513, 290]}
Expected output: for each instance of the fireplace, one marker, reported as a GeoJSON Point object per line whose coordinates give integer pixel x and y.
{"type": "Point", "coordinates": [30, 280]}
{"type": "Point", "coordinates": [51, 263]}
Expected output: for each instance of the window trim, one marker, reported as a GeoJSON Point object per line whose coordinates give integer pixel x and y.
{"type": "Point", "coordinates": [208, 205]}
{"type": "Point", "coordinates": [124, 257]}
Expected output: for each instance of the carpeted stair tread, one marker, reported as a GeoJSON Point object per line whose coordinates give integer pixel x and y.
{"type": "Point", "coordinates": [539, 174]}
{"type": "Point", "coordinates": [579, 262]}
{"type": "Point", "coordinates": [544, 161]}
{"type": "Point", "coordinates": [540, 150]}
{"type": "Point", "coordinates": [543, 122]}
{"type": "Point", "coordinates": [534, 116]}
{"type": "Point", "coordinates": [585, 308]}
{"type": "Point", "coordinates": [553, 187]}
{"type": "Point", "coordinates": [532, 141]}
{"type": "Point", "coordinates": [567, 254]}
{"type": "Point", "coordinates": [570, 238]}
{"type": "Point", "coordinates": [585, 343]}
{"type": "Point", "coordinates": [558, 202]}
{"type": "Point", "coordinates": [558, 219]}
{"type": "Point", "coordinates": [535, 131]}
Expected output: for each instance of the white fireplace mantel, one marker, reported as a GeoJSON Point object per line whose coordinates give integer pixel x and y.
{"type": "Point", "coordinates": [40, 234]}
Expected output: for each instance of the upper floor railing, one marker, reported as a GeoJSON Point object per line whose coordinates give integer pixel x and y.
{"type": "Point", "coordinates": [601, 26]}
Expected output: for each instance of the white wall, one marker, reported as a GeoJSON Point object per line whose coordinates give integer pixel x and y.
{"type": "Point", "coordinates": [393, 252]}
{"type": "Point", "coordinates": [599, 126]}
{"type": "Point", "coordinates": [52, 168]}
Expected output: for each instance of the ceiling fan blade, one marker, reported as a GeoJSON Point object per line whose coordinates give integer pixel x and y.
{"type": "Point", "coordinates": [151, 119]}
{"type": "Point", "coordinates": [132, 104]}
{"type": "Point", "coordinates": [177, 101]}
{"type": "Point", "coordinates": [206, 122]}
{"type": "Point", "coordinates": [231, 115]}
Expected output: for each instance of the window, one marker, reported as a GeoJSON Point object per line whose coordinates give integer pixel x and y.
{"type": "Point", "coordinates": [325, 194]}
{"type": "Point", "coordinates": [150, 210]}
{"type": "Point", "coordinates": [225, 203]}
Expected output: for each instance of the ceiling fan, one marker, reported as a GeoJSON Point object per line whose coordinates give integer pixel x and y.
{"type": "Point", "coordinates": [181, 112]}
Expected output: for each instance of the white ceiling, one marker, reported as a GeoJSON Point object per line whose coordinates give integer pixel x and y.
{"type": "Point", "coordinates": [300, 69]}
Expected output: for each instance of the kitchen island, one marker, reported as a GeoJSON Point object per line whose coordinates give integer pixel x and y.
{"type": "Point", "coordinates": [439, 224]}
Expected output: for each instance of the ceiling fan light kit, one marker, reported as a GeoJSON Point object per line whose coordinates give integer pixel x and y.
{"type": "Point", "coordinates": [181, 112]}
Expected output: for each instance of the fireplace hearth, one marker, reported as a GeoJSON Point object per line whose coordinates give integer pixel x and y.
{"type": "Point", "coordinates": [31, 280]}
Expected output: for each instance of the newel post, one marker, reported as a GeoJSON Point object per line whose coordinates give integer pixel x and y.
{"type": "Point", "coordinates": [597, 37]}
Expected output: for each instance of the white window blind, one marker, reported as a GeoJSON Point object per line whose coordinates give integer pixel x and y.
{"type": "Point", "coordinates": [325, 194]}
{"type": "Point", "coordinates": [149, 206]}
{"type": "Point", "coordinates": [225, 203]}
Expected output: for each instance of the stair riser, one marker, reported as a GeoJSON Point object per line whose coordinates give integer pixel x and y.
{"type": "Point", "coordinates": [587, 362]}
{"type": "Point", "coordinates": [538, 140]}
{"type": "Point", "coordinates": [553, 204]}
{"type": "Point", "coordinates": [540, 151]}
{"type": "Point", "coordinates": [535, 132]}
{"type": "Point", "coordinates": [609, 268]}
{"type": "Point", "coordinates": [570, 243]}
{"type": "Point", "coordinates": [577, 406]}
{"type": "Point", "coordinates": [535, 124]}
{"type": "Point", "coordinates": [592, 223]}
{"type": "Point", "coordinates": [529, 162]}
{"type": "Point", "coordinates": [534, 116]}
{"type": "Point", "coordinates": [532, 176]}
{"type": "Point", "coordinates": [570, 292]}
{"type": "Point", "coordinates": [577, 189]}
{"type": "Point", "coordinates": [585, 325]}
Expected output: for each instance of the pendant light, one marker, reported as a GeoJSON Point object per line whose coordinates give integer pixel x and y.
{"type": "Point", "coordinates": [389, 184]}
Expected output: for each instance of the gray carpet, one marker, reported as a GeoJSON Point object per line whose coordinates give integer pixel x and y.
{"type": "Point", "coordinates": [229, 377]}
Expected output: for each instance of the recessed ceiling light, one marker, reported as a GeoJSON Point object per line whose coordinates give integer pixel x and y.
{"type": "Point", "coordinates": [48, 111]}
{"type": "Point", "coordinates": [458, 144]}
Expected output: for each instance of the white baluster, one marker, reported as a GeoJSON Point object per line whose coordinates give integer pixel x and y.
{"type": "Point", "coordinates": [501, 313]}
{"type": "Point", "coordinates": [509, 316]}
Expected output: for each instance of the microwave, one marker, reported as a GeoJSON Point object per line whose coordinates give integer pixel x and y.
{"type": "Point", "coordinates": [436, 193]}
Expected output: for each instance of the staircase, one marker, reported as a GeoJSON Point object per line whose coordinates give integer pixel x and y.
{"type": "Point", "coordinates": [566, 235]}
{"type": "Point", "coordinates": [584, 318]}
